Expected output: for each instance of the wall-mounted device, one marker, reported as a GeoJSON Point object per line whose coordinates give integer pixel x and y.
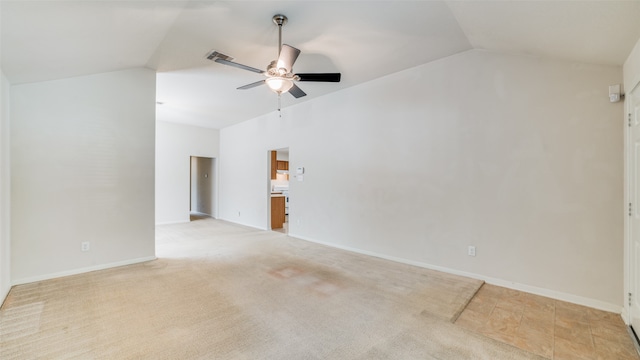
{"type": "Point", "coordinates": [300, 170]}
{"type": "Point", "coordinates": [614, 93]}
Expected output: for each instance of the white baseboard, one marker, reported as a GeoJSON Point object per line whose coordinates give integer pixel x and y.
{"type": "Point", "coordinates": [81, 270]}
{"type": "Point", "coordinates": [244, 224]}
{"type": "Point", "coordinates": [625, 315]}
{"type": "Point", "coordinates": [173, 222]}
{"type": "Point", "coordinates": [3, 294]}
{"type": "Point", "coordinates": [558, 295]}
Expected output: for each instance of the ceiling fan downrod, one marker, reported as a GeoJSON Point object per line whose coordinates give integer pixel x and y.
{"type": "Point", "coordinates": [280, 20]}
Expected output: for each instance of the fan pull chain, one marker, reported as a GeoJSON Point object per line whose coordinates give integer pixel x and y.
{"type": "Point", "coordinates": [280, 105]}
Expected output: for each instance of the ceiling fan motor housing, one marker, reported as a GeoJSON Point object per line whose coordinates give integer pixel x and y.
{"type": "Point", "coordinates": [280, 19]}
{"type": "Point", "coordinates": [274, 71]}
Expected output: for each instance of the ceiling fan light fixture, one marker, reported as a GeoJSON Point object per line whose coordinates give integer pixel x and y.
{"type": "Point", "coordinates": [279, 75]}
{"type": "Point", "coordinates": [279, 84]}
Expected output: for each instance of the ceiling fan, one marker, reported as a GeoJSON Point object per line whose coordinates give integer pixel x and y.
{"type": "Point", "coordinates": [279, 74]}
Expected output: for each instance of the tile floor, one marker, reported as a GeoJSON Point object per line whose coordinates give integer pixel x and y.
{"type": "Point", "coordinates": [547, 327]}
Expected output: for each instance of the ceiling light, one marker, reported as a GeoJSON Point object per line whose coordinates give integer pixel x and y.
{"type": "Point", "coordinates": [279, 84]}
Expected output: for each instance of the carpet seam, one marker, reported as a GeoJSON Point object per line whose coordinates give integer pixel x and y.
{"type": "Point", "coordinates": [464, 306]}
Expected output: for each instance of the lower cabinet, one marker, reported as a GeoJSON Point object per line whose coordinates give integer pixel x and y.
{"type": "Point", "coordinates": [277, 212]}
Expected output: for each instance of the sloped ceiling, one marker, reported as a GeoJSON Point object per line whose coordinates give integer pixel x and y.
{"type": "Point", "coordinates": [363, 40]}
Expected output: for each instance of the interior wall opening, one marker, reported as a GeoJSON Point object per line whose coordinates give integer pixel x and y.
{"type": "Point", "coordinates": [201, 201]}
{"type": "Point", "coordinates": [279, 190]}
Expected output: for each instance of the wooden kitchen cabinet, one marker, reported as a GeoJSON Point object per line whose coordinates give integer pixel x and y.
{"type": "Point", "coordinates": [282, 165]}
{"type": "Point", "coordinates": [274, 161]}
{"type": "Point", "coordinates": [277, 212]}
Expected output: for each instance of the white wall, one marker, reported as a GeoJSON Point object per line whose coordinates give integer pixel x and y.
{"type": "Point", "coordinates": [631, 69]}
{"type": "Point", "coordinates": [82, 169]}
{"type": "Point", "coordinates": [5, 239]}
{"type": "Point", "coordinates": [5, 188]}
{"type": "Point", "coordinates": [175, 144]}
{"type": "Point", "coordinates": [282, 156]}
{"type": "Point", "coordinates": [519, 156]}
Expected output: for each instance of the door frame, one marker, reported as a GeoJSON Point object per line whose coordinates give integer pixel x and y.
{"type": "Point", "coordinates": [628, 241]}
{"type": "Point", "coordinates": [629, 278]}
{"type": "Point", "coordinates": [269, 166]}
{"type": "Point", "coordinates": [213, 178]}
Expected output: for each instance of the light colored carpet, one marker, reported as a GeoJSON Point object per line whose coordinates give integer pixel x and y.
{"type": "Point", "coordinates": [222, 291]}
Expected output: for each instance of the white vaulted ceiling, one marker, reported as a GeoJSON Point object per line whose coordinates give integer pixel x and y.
{"type": "Point", "coordinates": [363, 40]}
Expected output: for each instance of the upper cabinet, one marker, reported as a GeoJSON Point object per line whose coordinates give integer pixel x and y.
{"type": "Point", "coordinates": [274, 160]}
{"type": "Point", "coordinates": [277, 165]}
{"type": "Point", "coordinates": [282, 165]}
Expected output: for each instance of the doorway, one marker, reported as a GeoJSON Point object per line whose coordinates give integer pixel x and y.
{"type": "Point", "coordinates": [278, 214]}
{"type": "Point", "coordinates": [201, 194]}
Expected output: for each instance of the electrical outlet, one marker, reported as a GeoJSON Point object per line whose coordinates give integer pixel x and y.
{"type": "Point", "coordinates": [471, 251]}
{"type": "Point", "coordinates": [84, 246]}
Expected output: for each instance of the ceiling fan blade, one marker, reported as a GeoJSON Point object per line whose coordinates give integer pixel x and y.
{"type": "Point", "coordinates": [322, 77]}
{"type": "Point", "coordinates": [240, 66]}
{"type": "Point", "coordinates": [297, 92]}
{"type": "Point", "coordinates": [288, 56]}
{"type": "Point", "coordinates": [252, 85]}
